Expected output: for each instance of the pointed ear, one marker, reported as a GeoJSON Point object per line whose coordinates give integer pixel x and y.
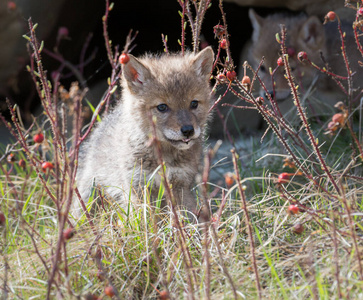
{"type": "Point", "coordinates": [135, 74]}
{"type": "Point", "coordinates": [257, 22]}
{"type": "Point", "coordinates": [203, 62]}
{"type": "Point", "coordinates": [312, 34]}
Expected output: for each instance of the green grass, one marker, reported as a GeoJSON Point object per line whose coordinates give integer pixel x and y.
{"type": "Point", "coordinates": [140, 251]}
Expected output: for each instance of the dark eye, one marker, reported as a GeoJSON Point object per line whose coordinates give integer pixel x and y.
{"type": "Point", "coordinates": [162, 107]}
{"type": "Point", "coordinates": [194, 104]}
{"type": "Point", "coordinates": [263, 68]}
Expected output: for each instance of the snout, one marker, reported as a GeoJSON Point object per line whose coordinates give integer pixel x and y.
{"type": "Point", "coordinates": [184, 137]}
{"type": "Point", "coordinates": [271, 93]}
{"type": "Point", "coordinates": [279, 94]}
{"type": "Point", "coordinates": [187, 130]}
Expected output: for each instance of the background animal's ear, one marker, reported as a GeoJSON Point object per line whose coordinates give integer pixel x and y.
{"type": "Point", "coordinates": [312, 34]}
{"type": "Point", "coordinates": [203, 62]}
{"type": "Point", "coordinates": [135, 73]}
{"type": "Point", "coordinates": [257, 22]}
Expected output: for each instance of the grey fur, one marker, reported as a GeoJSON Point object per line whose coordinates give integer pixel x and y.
{"type": "Point", "coordinates": [118, 151]}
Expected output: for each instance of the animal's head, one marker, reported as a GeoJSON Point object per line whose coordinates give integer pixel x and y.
{"type": "Point", "coordinates": [173, 89]}
{"type": "Point", "coordinates": [303, 34]}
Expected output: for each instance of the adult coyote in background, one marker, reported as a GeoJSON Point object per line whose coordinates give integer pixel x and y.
{"type": "Point", "coordinates": [318, 92]}
{"type": "Point", "coordinates": [174, 90]}
{"type": "Point", "coordinates": [320, 42]}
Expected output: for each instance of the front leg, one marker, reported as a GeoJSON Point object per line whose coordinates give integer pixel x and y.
{"type": "Point", "coordinates": [187, 201]}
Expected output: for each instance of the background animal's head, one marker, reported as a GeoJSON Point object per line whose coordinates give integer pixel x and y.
{"type": "Point", "coordinates": [303, 34]}
{"type": "Point", "coordinates": [173, 89]}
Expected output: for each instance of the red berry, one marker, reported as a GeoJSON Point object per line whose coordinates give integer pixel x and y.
{"type": "Point", "coordinates": [68, 233]}
{"type": "Point", "coordinates": [221, 77]}
{"type": "Point", "coordinates": [302, 56]}
{"type": "Point", "coordinates": [260, 100]}
{"type": "Point", "coordinates": [280, 62]}
{"type": "Point", "coordinates": [360, 11]}
{"type": "Point", "coordinates": [219, 30]}
{"type": "Point", "coordinates": [47, 165]}
{"type": "Point", "coordinates": [231, 75]}
{"type": "Point", "coordinates": [164, 295]}
{"type": "Point", "coordinates": [10, 158]}
{"type": "Point", "coordinates": [283, 178]}
{"type": "Point", "coordinates": [246, 80]}
{"type": "Point", "coordinates": [124, 58]}
{"type": "Point", "coordinates": [11, 5]}
{"type": "Point", "coordinates": [22, 163]}
{"type": "Point", "coordinates": [338, 118]}
{"type": "Point", "coordinates": [331, 16]}
{"type": "Point", "coordinates": [229, 178]}
{"type": "Point", "coordinates": [298, 228]}
{"type": "Point", "coordinates": [291, 51]}
{"type": "Point", "coordinates": [223, 44]}
{"type": "Point", "coordinates": [38, 138]}
{"type": "Point", "coordinates": [109, 291]}
{"type": "Point", "coordinates": [293, 209]}
{"type": "Point", "coordinates": [2, 219]}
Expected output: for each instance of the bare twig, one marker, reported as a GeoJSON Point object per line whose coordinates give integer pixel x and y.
{"type": "Point", "coordinates": [248, 223]}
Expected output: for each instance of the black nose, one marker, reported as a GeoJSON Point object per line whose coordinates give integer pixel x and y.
{"type": "Point", "coordinates": [187, 130]}
{"type": "Point", "coordinates": [271, 92]}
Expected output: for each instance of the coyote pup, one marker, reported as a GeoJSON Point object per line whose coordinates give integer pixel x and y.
{"type": "Point", "coordinates": [174, 90]}
{"type": "Point", "coordinates": [304, 33]}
